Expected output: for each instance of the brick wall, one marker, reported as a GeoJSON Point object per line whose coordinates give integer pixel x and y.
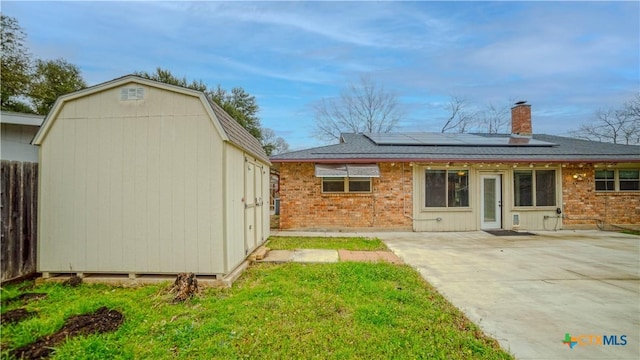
{"type": "Point", "coordinates": [304, 206]}
{"type": "Point", "coordinates": [583, 205]}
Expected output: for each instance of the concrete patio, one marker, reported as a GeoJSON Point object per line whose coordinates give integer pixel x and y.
{"type": "Point", "coordinates": [529, 291]}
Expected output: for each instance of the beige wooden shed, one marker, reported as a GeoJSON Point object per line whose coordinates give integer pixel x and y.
{"type": "Point", "coordinates": [140, 177]}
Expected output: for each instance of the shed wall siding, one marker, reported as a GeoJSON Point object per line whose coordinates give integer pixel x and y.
{"type": "Point", "coordinates": [234, 193]}
{"type": "Point", "coordinates": [132, 186]}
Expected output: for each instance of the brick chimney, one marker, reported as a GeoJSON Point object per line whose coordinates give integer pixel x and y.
{"type": "Point", "coordinates": [521, 119]}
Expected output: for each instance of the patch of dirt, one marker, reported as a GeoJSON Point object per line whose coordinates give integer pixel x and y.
{"type": "Point", "coordinates": [26, 297]}
{"type": "Point", "coordinates": [101, 321]}
{"type": "Point", "coordinates": [185, 287]}
{"type": "Point", "coordinates": [15, 316]}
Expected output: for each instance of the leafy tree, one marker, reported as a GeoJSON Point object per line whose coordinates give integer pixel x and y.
{"type": "Point", "coordinates": [614, 125]}
{"type": "Point", "coordinates": [165, 76]}
{"type": "Point", "coordinates": [273, 144]}
{"type": "Point", "coordinates": [241, 106]}
{"type": "Point", "coordinates": [51, 79]}
{"type": "Point", "coordinates": [27, 88]}
{"type": "Point", "coordinates": [15, 65]}
{"type": "Point", "coordinates": [362, 107]}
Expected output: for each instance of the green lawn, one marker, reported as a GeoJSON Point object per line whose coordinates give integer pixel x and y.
{"type": "Point", "coordinates": [344, 310]}
{"type": "Point", "coordinates": [337, 243]}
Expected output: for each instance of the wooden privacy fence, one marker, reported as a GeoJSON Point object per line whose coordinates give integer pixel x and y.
{"type": "Point", "coordinates": [19, 218]}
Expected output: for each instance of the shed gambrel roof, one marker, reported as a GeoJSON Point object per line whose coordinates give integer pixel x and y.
{"type": "Point", "coordinates": [360, 148]}
{"type": "Point", "coordinates": [229, 129]}
{"type": "Point", "coordinates": [237, 134]}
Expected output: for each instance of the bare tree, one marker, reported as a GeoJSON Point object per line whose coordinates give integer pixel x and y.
{"type": "Point", "coordinates": [460, 118]}
{"type": "Point", "coordinates": [362, 107]}
{"type": "Point", "coordinates": [495, 120]}
{"type": "Point", "coordinates": [273, 144]}
{"type": "Point", "coordinates": [632, 107]}
{"type": "Point", "coordinates": [631, 131]}
{"type": "Point", "coordinates": [614, 125]}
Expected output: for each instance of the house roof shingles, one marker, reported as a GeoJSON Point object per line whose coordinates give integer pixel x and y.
{"type": "Point", "coordinates": [359, 148]}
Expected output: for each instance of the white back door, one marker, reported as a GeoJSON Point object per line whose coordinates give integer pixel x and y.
{"type": "Point", "coordinates": [491, 202]}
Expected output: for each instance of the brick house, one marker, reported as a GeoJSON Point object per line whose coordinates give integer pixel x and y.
{"type": "Point", "coordinates": [460, 182]}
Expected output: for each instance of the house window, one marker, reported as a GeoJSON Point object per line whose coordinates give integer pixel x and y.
{"type": "Point", "coordinates": [629, 180]}
{"type": "Point", "coordinates": [545, 187]}
{"type": "Point", "coordinates": [333, 184]}
{"type": "Point", "coordinates": [446, 188]}
{"type": "Point", "coordinates": [346, 185]}
{"type": "Point", "coordinates": [617, 180]}
{"type": "Point", "coordinates": [534, 188]}
{"type": "Point", "coordinates": [346, 178]}
{"type": "Point", "coordinates": [605, 180]}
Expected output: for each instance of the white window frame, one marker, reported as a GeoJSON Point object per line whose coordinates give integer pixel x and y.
{"type": "Point", "coordinates": [346, 181]}
{"type": "Point", "coordinates": [446, 190]}
{"type": "Point", "coordinates": [534, 189]}
{"type": "Point", "coordinates": [616, 180]}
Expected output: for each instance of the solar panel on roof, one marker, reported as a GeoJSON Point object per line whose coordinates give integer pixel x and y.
{"type": "Point", "coordinates": [439, 139]}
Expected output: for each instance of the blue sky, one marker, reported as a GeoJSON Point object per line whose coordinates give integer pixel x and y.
{"type": "Point", "coordinates": [567, 59]}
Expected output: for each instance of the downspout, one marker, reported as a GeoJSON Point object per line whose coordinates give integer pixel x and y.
{"type": "Point", "coordinates": [373, 205]}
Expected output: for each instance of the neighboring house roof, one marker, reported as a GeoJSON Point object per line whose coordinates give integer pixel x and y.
{"type": "Point", "coordinates": [229, 129]}
{"type": "Point", "coordinates": [361, 148]}
{"type": "Point", "coordinates": [10, 117]}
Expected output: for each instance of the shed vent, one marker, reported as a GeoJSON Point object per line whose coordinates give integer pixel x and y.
{"type": "Point", "coordinates": [132, 93]}
{"type": "Point", "coordinates": [516, 220]}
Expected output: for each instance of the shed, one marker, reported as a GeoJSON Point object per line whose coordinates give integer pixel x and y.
{"type": "Point", "coordinates": [141, 177]}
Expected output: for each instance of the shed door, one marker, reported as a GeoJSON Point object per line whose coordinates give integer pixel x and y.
{"type": "Point", "coordinates": [258, 233]}
{"type": "Point", "coordinates": [254, 203]}
{"type": "Point", "coordinates": [249, 206]}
